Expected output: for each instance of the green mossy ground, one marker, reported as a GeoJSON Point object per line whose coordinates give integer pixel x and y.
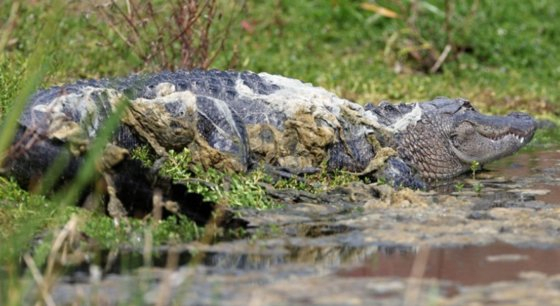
{"type": "Point", "coordinates": [504, 57]}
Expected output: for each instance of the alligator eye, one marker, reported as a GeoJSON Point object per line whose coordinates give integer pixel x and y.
{"type": "Point", "coordinates": [453, 139]}
{"type": "Point", "coordinates": [467, 105]}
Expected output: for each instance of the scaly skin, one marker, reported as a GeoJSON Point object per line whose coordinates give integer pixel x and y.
{"type": "Point", "coordinates": [236, 120]}
{"type": "Point", "coordinates": [450, 135]}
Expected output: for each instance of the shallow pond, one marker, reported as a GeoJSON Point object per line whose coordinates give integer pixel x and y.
{"type": "Point", "coordinates": [495, 243]}
{"type": "Point", "coordinates": [540, 170]}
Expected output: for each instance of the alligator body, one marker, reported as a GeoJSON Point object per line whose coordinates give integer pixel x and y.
{"type": "Point", "coordinates": [237, 120]}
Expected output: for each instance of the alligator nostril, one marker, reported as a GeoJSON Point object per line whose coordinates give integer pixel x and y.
{"type": "Point", "coordinates": [519, 115]}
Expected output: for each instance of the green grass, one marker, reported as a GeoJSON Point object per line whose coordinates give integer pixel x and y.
{"type": "Point", "coordinates": [341, 46]}
{"type": "Point", "coordinates": [512, 48]}
{"type": "Point", "coordinates": [509, 50]}
{"type": "Point", "coordinates": [505, 57]}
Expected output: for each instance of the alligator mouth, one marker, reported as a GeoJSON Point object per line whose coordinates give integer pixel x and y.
{"type": "Point", "coordinates": [515, 126]}
{"type": "Point", "coordinates": [520, 137]}
{"type": "Point", "coordinates": [492, 137]}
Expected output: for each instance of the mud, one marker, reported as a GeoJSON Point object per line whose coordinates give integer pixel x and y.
{"type": "Point", "coordinates": [364, 245]}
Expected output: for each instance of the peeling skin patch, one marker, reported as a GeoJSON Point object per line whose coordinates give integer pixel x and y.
{"type": "Point", "coordinates": [302, 143]}
{"type": "Point", "coordinates": [162, 129]}
{"type": "Point", "coordinates": [317, 120]}
{"type": "Point", "coordinates": [379, 161]}
{"type": "Point", "coordinates": [74, 113]}
{"type": "Point", "coordinates": [409, 119]}
{"type": "Point", "coordinates": [243, 89]}
{"type": "Point", "coordinates": [75, 118]}
{"type": "Point", "coordinates": [294, 96]}
{"type": "Point", "coordinates": [169, 122]}
{"type": "Point", "coordinates": [266, 143]}
{"type": "Point", "coordinates": [164, 89]}
{"type": "Point", "coordinates": [177, 129]}
{"type": "Point", "coordinates": [219, 108]}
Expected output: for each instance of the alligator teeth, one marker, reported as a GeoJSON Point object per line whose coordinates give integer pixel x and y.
{"type": "Point", "coordinates": [519, 138]}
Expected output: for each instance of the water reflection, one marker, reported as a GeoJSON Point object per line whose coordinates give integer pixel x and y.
{"type": "Point", "coordinates": [470, 265]}
{"type": "Point", "coordinates": [542, 167]}
{"type": "Point", "coordinates": [323, 258]}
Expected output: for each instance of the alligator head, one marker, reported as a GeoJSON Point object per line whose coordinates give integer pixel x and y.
{"type": "Point", "coordinates": [442, 138]}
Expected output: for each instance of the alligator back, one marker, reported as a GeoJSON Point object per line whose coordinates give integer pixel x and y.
{"type": "Point", "coordinates": [228, 120]}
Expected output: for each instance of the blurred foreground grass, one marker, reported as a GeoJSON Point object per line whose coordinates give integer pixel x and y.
{"type": "Point", "coordinates": [503, 56]}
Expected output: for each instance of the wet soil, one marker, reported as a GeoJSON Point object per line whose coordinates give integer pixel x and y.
{"type": "Point", "coordinates": [498, 244]}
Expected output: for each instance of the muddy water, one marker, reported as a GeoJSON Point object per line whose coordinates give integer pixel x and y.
{"type": "Point", "coordinates": [367, 245]}
{"type": "Point", "coordinates": [469, 265]}
{"type": "Point", "coordinates": [530, 165]}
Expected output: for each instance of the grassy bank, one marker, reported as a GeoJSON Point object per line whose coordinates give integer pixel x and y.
{"type": "Point", "coordinates": [506, 52]}
{"type": "Point", "coordinates": [503, 57]}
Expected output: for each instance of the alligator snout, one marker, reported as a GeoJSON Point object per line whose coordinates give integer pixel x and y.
{"type": "Point", "coordinates": [521, 116]}
{"type": "Point", "coordinates": [523, 122]}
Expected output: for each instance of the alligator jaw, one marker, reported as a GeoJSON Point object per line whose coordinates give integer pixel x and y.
{"type": "Point", "coordinates": [486, 138]}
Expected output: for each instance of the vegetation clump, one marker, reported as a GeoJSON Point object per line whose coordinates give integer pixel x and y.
{"type": "Point", "coordinates": [232, 189]}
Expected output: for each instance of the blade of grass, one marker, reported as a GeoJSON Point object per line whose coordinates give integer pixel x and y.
{"type": "Point", "coordinates": [86, 174]}
{"type": "Point", "coordinates": [38, 66]}
{"type": "Point", "coordinates": [39, 63]}
{"type": "Point", "coordinates": [40, 281]}
{"type": "Point", "coordinates": [9, 27]}
{"type": "Point", "coordinates": [51, 177]}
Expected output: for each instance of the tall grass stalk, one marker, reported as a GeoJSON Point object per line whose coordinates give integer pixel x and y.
{"type": "Point", "coordinates": [12, 288]}
{"type": "Point", "coordinates": [11, 291]}
{"type": "Point", "coordinates": [37, 67]}
{"type": "Point", "coordinates": [87, 170]}
{"type": "Point", "coordinates": [8, 27]}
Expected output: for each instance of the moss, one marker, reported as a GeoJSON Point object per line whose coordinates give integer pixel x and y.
{"type": "Point", "coordinates": [134, 232]}
{"type": "Point", "coordinates": [227, 188]}
{"type": "Point", "coordinates": [145, 154]}
{"type": "Point", "coordinates": [319, 182]}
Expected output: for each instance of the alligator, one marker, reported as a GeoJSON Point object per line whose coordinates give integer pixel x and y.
{"type": "Point", "coordinates": [237, 121]}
